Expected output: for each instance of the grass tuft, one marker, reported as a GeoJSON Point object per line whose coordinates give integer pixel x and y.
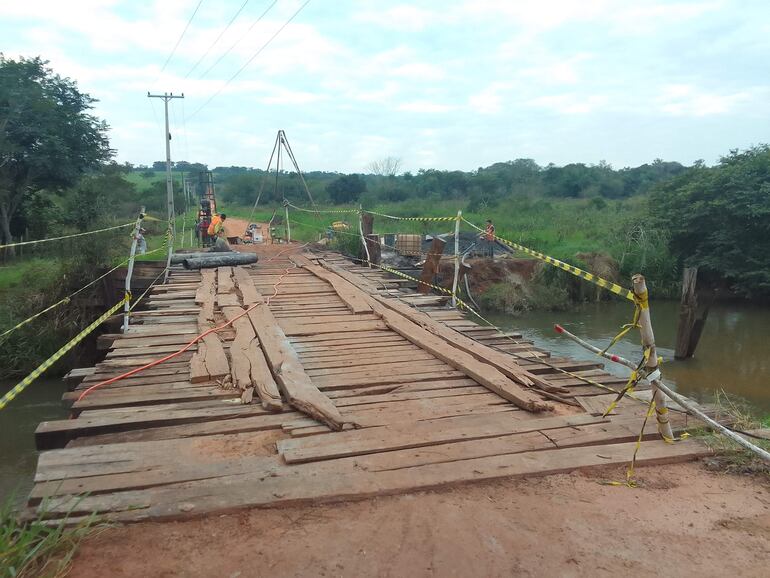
{"type": "Point", "coordinates": [728, 456]}
{"type": "Point", "coordinates": [41, 548]}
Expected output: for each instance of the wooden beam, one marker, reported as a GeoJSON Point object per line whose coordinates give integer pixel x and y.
{"type": "Point", "coordinates": [285, 365]}
{"type": "Point", "coordinates": [431, 265]}
{"type": "Point", "coordinates": [249, 367]}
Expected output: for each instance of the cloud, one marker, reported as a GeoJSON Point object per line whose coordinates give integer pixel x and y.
{"type": "Point", "coordinates": [570, 103]}
{"type": "Point", "coordinates": [402, 17]}
{"type": "Point", "coordinates": [688, 100]}
{"type": "Point", "coordinates": [425, 107]}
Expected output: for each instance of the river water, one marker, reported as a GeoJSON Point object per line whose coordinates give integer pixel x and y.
{"type": "Point", "coordinates": [41, 401]}
{"type": "Point", "coordinates": [732, 355]}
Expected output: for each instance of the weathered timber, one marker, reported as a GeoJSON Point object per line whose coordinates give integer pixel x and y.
{"type": "Point", "coordinates": [287, 368]}
{"type": "Point", "coordinates": [505, 363]}
{"type": "Point", "coordinates": [414, 435]}
{"type": "Point", "coordinates": [249, 367]}
{"type": "Point", "coordinates": [430, 267]}
{"type": "Point", "coordinates": [693, 312]}
{"type": "Point", "coordinates": [209, 362]}
{"type": "Point", "coordinates": [445, 344]}
{"type": "Point", "coordinates": [346, 291]}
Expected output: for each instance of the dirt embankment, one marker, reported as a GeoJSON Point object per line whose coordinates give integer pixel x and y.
{"type": "Point", "coordinates": [684, 520]}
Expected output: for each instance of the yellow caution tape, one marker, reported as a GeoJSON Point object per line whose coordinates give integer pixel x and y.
{"type": "Point", "coordinates": [66, 236]}
{"type": "Point", "coordinates": [332, 211]}
{"type": "Point", "coordinates": [395, 218]}
{"type": "Point", "coordinates": [22, 385]}
{"type": "Point", "coordinates": [596, 280]}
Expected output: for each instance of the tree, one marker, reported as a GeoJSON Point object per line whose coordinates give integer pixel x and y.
{"type": "Point", "coordinates": [387, 167]}
{"type": "Point", "coordinates": [48, 139]}
{"type": "Point", "coordinates": [718, 219]}
{"type": "Point", "coordinates": [346, 189]}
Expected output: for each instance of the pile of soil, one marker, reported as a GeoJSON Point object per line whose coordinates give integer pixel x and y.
{"type": "Point", "coordinates": [485, 272]}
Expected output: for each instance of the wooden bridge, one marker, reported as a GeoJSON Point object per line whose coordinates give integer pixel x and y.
{"type": "Point", "coordinates": [332, 382]}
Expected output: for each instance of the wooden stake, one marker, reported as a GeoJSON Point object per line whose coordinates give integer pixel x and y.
{"type": "Point", "coordinates": [648, 341]}
{"type": "Point", "coordinates": [431, 265]}
{"type": "Point", "coordinates": [456, 278]}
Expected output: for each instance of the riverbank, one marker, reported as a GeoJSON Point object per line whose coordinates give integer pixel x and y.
{"type": "Point", "coordinates": [682, 520]}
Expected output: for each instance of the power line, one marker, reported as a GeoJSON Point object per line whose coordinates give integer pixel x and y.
{"type": "Point", "coordinates": [237, 42]}
{"type": "Point", "coordinates": [250, 60]}
{"type": "Point", "coordinates": [213, 44]}
{"type": "Point", "coordinates": [173, 51]}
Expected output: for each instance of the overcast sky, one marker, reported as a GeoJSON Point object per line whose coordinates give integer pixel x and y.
{"type": "Point", "coordinates": [444, 84]}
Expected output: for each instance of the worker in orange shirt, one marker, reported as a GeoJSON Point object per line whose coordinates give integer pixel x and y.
{"type": "Point", "coordinates": [217, 223]}
{"type": "Point", "coordinates": [489, 237]}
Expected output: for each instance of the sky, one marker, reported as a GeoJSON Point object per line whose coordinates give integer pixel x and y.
{"type": "Point", "coordinates": [438, 84]}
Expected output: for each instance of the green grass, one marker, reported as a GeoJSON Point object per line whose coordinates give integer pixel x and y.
{"type": "Point", "coordinates": [143, 182]}
{"type": "Point", "coordinates": [18, 275]}
{"type": "Point", "coordinates": [39, 548]}
{"type": "Point", "coordinates": [729, 456]}
{"type": "Point", "coordinates": [561, 228]}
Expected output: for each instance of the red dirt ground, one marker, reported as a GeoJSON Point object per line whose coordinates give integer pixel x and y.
{"type": "Point", "coordinates": [684, 520]}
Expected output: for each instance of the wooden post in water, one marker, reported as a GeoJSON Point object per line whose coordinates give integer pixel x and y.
{"type": "Point", "coordinates": [456, 277]}
{"type": "Point", "coordinates": [648, 342]}
{"type": "Point", "coordinates": [431, 265]}
{"type": "Point", "coordinates": [693, 311]}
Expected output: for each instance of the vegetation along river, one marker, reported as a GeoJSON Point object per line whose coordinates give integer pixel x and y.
{"type": "Point", "coordinates": [732, 355]}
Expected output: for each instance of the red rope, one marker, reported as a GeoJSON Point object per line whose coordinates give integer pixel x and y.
{"type": "Point", "coordinates": [195, 340]}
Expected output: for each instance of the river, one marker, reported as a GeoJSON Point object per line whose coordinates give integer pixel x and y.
{"type": "Point", "coordinates": [41, 401]}
{"type": "Point", "coordinates": [732, 355]}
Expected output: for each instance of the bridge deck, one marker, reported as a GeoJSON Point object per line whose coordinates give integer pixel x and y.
{"type": "Point", "coordinates": [157, 445]}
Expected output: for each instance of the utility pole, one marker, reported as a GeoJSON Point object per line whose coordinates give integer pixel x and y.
{"type": "Point", "coordinates": [166, 96]}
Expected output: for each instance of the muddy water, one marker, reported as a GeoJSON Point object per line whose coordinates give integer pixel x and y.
{"type": "Point", "coordinates": [733, 354]}
{"type": "Point", "coordinates": [39, 402]}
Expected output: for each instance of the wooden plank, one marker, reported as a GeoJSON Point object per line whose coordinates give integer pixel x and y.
{"type": "Point", "coordinates": [196, 429]}
{"type": "Point", "coordinates": [502, 362]}
{"type": "Point", "coordinates": [343, 382]}
{"type": "Point", "coordinates": [414, 435]}
{"type": "Point", "coordinates": [225, 280]}
{"type": "Point", "coordinates": [293, 329]}
{"type": "Point", "coordinates": [287, 369]}
{"type": "Point", "coordinates": [349, 294]}
{"type": "Point", "coordinates": [250, 368]}
{"type": "Point", "coordinates": [243, 281]}
{"type": "Point", "coordinates": [51, 434]}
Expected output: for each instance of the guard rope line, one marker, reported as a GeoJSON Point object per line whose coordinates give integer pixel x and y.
{"type": "Point", "coordinates": [24, 383]}
{"type": "Point", "coordinates": [67, 299]}
{"type": "Point", "coordinates": [395, 218]}
{"type": "Point", "coordinates": [21, 243]}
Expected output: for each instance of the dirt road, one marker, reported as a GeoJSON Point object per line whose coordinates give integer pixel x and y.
{"type": "Point", "coordinates": [683, 521]}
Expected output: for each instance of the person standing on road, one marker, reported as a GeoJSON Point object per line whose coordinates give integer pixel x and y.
{"type": "Point", "coordinates": [489, 237]}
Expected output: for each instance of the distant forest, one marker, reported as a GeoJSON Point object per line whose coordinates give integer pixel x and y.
{"type": "Point", "coordinates": [482, 188]}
